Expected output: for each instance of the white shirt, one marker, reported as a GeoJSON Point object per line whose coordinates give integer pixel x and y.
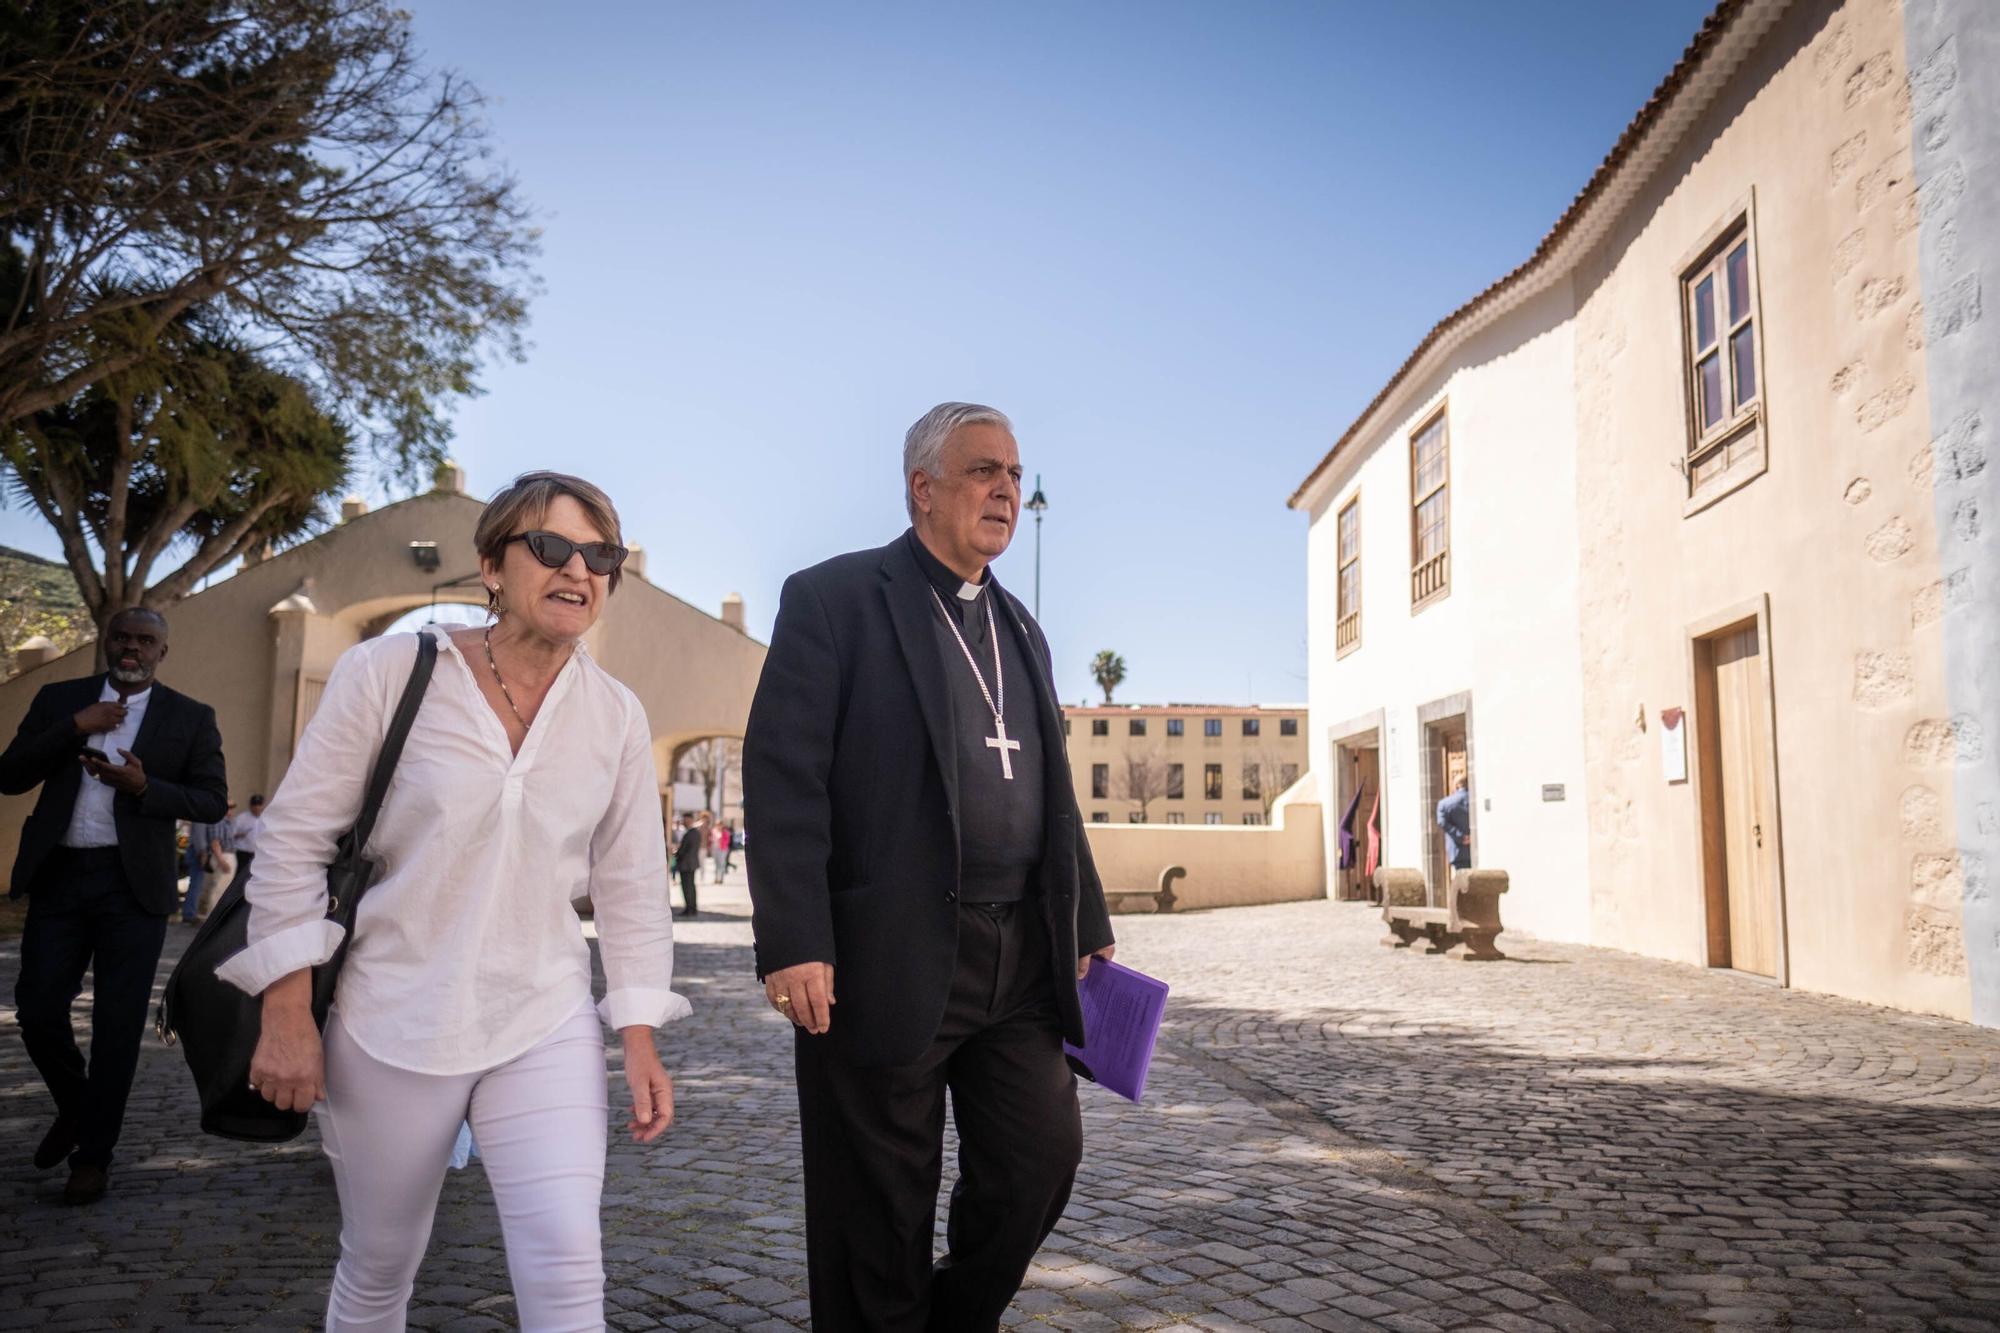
{"type": "Point", "coordinates": [243, 829]}
{"type": "Point", "coordinates": [467, 952]}
{"type": "Point", "coordinates": [90, 822]}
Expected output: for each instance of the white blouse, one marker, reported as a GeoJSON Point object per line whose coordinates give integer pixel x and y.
{"type": "Point", "coordinates": [466, 950]}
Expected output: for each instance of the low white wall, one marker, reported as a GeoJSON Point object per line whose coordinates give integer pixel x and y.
{"type": "Point", "coordinates": [1227, 865]}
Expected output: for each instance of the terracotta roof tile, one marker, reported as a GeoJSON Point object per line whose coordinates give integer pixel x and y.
{"type": "Point", "coordinates": [1705, 39]}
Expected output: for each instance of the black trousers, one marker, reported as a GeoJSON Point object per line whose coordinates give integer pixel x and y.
{"type": "Point", "coordinates": [874, 1146]}
{"type": "Point", "coordinates": [81, 914]}
{"type": "Point", "coordinates": [687, 889]}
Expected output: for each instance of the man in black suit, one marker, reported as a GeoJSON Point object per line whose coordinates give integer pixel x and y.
{"type": "Point", "coordinates": [119, 757]}
{"type": "Point", "coordinates": [905, 770]}
{"type": "Point", "coordinates": [687, 861]}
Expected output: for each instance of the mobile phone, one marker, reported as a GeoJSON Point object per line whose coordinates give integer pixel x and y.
{"type": "Point", "coordinates": [92, 752]}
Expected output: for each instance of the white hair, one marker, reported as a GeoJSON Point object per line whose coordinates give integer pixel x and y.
{"type": "Point", "coordinates": [923, 443]}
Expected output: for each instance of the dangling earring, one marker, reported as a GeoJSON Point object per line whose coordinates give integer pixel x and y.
{"type": "Point", "coordinates": [493, 605]}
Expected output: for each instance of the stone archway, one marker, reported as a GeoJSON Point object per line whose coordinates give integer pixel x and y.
{"type": "Point", "coordinates": [260, 645]}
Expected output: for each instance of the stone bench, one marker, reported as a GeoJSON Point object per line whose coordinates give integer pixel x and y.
{"type": "Point", "coordinates": [1124, 902]}
{"type": "Point", "coordinates": [1465, 927]}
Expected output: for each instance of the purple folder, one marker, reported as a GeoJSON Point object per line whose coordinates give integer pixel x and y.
{"type": "Point", "coordinates": [1121, 1021]}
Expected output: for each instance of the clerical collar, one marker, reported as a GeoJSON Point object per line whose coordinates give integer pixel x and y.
{"type": "Point", "coordinates": [949, 585]}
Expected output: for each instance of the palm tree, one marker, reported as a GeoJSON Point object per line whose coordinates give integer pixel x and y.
{"type": "Point", "coordinates": [1109, 670]}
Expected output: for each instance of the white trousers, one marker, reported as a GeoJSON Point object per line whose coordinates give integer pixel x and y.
{"type": "Point", "coordinates": [541, 1123]}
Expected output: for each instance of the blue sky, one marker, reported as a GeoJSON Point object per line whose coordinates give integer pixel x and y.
{"type": "Point", "coordinates": [1180, 244]}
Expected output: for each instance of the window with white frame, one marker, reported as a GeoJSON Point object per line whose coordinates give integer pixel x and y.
{"type": "Point", "coordinates": [1723, 363]}
{"type": "Point", "coordinates": [1430, 512]}
{"type": "Point", "coordinates": [1347, 612]}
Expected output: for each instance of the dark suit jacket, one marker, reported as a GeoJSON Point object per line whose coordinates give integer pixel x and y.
{"type": "Point", "coordinates": [850, 778]}
{"type": "Point", "coordinates": [182, 751]}
{"type": "Point", "coordinates": [687, 853]}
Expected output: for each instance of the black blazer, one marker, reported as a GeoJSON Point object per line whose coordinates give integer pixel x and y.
{"type": "Point", "coordinates": [850, 779]}
{"type": "Point", "coordinates": [687, 855]}
{"type": "Point", "coordinates": [182, 751]}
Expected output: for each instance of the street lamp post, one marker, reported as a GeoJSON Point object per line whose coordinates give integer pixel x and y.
{"type": "Point", "coordinates": [1036, 504]}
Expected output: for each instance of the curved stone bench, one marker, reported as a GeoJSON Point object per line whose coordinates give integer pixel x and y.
{"type": "Point", "coordinates": [1465, 927]}
{"type": "Point", "coordinates": [1124, 902]}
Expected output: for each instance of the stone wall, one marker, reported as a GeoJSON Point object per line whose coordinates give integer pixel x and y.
{"type": "Point", "coordinates": [1953, 827]}
{"type": "Point", "coordinates": [1838, 536]}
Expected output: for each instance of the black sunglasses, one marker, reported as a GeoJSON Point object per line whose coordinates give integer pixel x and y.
{"type": "Point", "coordinates": [555, 551]}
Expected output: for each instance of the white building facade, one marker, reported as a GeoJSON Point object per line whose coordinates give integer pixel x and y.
{"type": "Point", "coordinates": [1468, 661]}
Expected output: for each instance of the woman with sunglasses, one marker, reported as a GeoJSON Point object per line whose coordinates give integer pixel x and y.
{"type": "Point", "coordinates": [527, 781]}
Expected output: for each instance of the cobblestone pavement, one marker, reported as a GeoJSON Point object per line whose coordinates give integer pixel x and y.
{"type": "Point", "coordinates": [1336, 1136]}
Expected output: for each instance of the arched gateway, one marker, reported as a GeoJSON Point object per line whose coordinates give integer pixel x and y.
{"type": "Point", "coordinates": [259, 645]}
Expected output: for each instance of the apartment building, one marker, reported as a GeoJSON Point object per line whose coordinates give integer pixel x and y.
{"type": "Point", "coordinates": [1183, 763]}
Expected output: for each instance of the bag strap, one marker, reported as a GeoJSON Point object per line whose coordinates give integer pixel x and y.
{"type": "Point", "coordinates": [392, 744]}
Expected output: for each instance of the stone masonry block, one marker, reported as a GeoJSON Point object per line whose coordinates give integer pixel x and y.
{"type": "Point", "coordinates": [1961, 450]}
{"type": "Point", "coordinates": [1948, 594]}
{"type": "Point", "coordinates": [1880, 408]}
{"type": "Point", "coordinates": [1920, 814]}
{"type": "Point", "coordinates": [1882, 680]}
{"type": "Point", "coordinates": [1877, 295]}
{"type": "Point", "coordinates": [1847, 252]}
{"type": "Point", "coordinates": [1954, 310]}
{"type": "Point", "coordinates": [1937, 741]}
{"type": "Point", "coordinates": [1892, 541]}
{"type": "Point", "coordinates": [1871, 76]}
{"type": "Point", "coordinates": [1934, 77]}
{"type": "Point", "coordinates": [1847, 156]}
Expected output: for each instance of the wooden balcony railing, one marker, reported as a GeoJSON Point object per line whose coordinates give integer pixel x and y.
{"type": "Point", "coordinates": [1347, 632]}
{"type": "Point", "coordinates": [1430, 578]}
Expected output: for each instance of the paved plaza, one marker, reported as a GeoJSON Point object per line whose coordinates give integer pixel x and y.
{"type": "Point", "coordinates": [1336, 1136]}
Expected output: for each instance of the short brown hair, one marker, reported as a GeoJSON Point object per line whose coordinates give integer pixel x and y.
{"type": "Point", "coordinates": [525, 501]}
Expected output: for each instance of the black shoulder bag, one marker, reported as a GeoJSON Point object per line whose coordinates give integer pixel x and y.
{"type": "Point", "coordinates": [217, 1025]}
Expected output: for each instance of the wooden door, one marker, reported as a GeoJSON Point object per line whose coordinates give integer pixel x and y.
{"type": "Point", "coordinates": [1749, 831]}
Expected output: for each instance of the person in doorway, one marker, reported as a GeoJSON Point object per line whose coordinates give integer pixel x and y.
{"type": "Point", "coordinates": [1454, 816]}
{"type": "Point", "coordinates": [223, 875]}
{"type": "Point", "coordinates": [528, 775]}
{"type": "Point", "coordinates": [719, 849]}
{"type": "Point", "coordinates": [905, 769]}
{"type": "Point", "coordinates": [243, 833]}
{"type": "Point", "coordinates": [200, 862]}
{"type": "Point", "coordinates": [687, 861]}
{"type": "Point", "coordinates": [119, 758]}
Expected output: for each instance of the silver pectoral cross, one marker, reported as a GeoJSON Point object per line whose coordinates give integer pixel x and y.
{"type": "Point", "coordinates": [998, 741]}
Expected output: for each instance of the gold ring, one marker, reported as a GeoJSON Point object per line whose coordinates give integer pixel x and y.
{"type": "Point", "coordinates": [784, 999]}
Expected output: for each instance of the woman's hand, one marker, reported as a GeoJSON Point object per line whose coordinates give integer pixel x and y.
{"type": "Point", "coordinates": [652, 1088]}
{"type": "Point", "coordinates": [288, 1068]}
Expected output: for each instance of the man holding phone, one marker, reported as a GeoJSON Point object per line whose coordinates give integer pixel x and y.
{"type": "Point", "coordinates": [119, 758]}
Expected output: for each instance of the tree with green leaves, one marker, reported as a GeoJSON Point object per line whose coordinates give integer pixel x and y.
{"type": "Point", "coordinates": [1108, 670]}
{"type": "Point", "coordinates": [174, 466]}
{"type": "Point", "coordinates": [38, 599]}
{"type": "Point", "coordinates": [291, 168]}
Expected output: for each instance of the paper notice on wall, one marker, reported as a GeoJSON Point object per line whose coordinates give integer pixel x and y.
{"type": "Point", "coordinates": [1673, 744]}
